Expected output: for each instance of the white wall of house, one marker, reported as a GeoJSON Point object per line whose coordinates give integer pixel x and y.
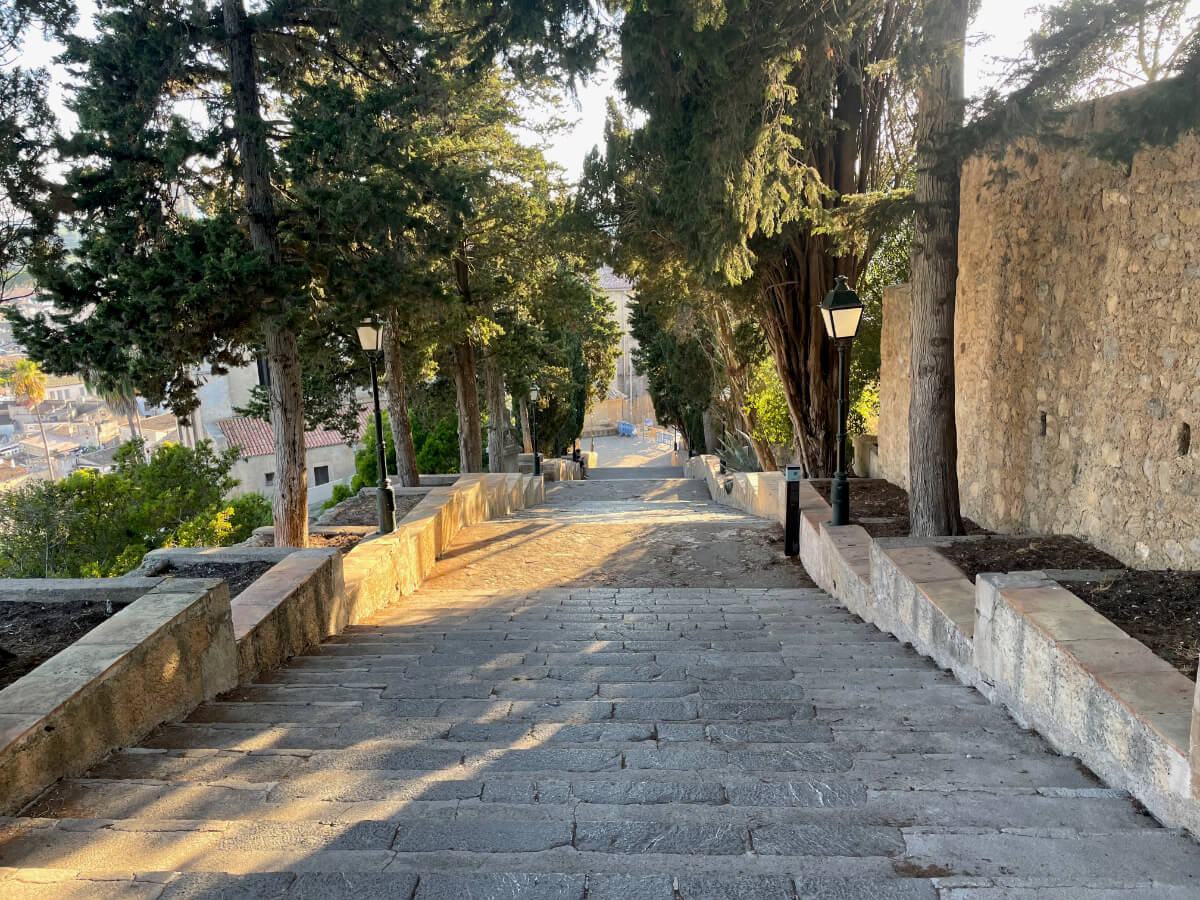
{"type": "Point", "coordinates": [220, 395]}
{"type": "Point", "coordinates": [336, 461]}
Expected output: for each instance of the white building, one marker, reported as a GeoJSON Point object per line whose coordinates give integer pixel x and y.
{"type": "Point", "coordinates": [330, 456]}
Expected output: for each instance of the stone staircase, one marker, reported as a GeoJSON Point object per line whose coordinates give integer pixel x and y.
{"type": "Point", "coordinates": [651, 743]}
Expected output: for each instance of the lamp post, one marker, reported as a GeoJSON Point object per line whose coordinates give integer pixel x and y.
{"type": "Point", "coordinates": [842, 311]}
{"type": "Point", "coordinates": [369, 335]}
{"type": "Point", "coordinates": [534, 396]}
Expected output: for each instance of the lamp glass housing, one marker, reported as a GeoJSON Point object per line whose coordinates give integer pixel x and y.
{"type": "Point", "coordinates": [535, 394]}
{"type": "Point", "coordinates": [369, 333]}
{"type": "Point", "coordinates": [842, 311]}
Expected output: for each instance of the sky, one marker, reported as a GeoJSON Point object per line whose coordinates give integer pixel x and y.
{"type": "Point", "coordinates": [999, 31]}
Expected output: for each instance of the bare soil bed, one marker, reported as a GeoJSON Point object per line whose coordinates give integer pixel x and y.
{"type": "Point", "coordinates": [343, 542]}
{"type": "Point", "coordinates": [362, 509]}
{"type": "Point", "coordinates": [238, 576]}
{"type": "Point", "coordinates": [879, 506]}
{"type": "Point", "coordinates": [1001, 553]}
{"type": "Point", "coordinates": [1160, 609]}
{"type": "Point", "coordinates": [31, 633]}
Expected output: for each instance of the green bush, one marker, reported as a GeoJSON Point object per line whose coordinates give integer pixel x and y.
{"type": "Point", "coordinates": [91, 525]}
{"type": "Point", "coordinates": [340, 492]}
{"type": "Point", "coordinates": [767, 404]}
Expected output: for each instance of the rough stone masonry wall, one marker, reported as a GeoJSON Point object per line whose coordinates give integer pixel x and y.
{"type": "Point", "coordinates": [1078, 348]}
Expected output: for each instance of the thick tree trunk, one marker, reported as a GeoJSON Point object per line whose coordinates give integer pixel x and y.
{"type": "Point", "coordinates": [791, 291]}
{"type": "Point", "coordinates": [497, 413]}
{"type": "Point", "coordinates": [283, 356]}
{"type": "Point", "coordinates": [290, 503]}
{"type": "Point", "coordinates": [932, 436]}
{"type": "Point", "coordinates": [397, 405]}
{"type": "Point", "coordinates": [712, 435]}
{"type": "Point", "coordinates": [470, 439]}
{"type": "Point", "coordinates": [526, 436]}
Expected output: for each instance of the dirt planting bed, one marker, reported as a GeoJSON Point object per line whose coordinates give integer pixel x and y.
{"type": "Point", "coordinates": [362, 509]}
{"type": "Point", "coordinates": [1003, 553]}
{"type": "Point", "coordinates": [879, 506]}
{"type": "Point", "coordinates": [344, 542]}
{"type": "Point", "coordinates": [1160, 609]}
{"type": "Point", "coordinates": [31, 633]}
{"type": "Point", "coordinates": [238, 575]}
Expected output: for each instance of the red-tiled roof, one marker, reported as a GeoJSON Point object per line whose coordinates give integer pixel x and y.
{"type": "Point", "coordinates": [254, 437]}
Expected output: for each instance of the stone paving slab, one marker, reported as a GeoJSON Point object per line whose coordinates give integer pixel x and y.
{"type": "Point", "coordinates": [584, 704]}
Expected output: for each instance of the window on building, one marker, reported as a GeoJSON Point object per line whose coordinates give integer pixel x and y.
{"type": "Point", "coordinates": [321, 474]}
{"type": "Point", "coordinates": [264, 372]}
{"type": "Point", "coordinates": [269, 479]}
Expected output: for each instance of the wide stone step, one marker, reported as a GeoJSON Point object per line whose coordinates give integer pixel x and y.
{"type": "Point", "coordinates": [64, 884]}
{"type": "Point", "coordinates": [392, 765]}
{"type": "Point", "coordinates": [196, 736]}
{"type": "Point", "coordinates": [640, 473]}
{"type": "Point", "coordinates": [637, 848]}
{"type": "Point", "coordinates": [734, 801]}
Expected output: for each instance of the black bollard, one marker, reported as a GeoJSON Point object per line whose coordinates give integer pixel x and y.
{"type": "Point", "coordinates": [791, 516]}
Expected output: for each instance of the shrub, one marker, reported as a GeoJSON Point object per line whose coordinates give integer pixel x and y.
{"type": "Point", "coordinates": [340, 492]}
{"type": "Point", "coordinates": [90, 525]}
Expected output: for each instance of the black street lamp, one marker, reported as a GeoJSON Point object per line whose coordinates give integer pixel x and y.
{"type": "Point", "coordinates": [369, 335]}
{"type": "Point", "coordinates": [534, 395]}
{"type": "Point", "coordinates": [842, 312]}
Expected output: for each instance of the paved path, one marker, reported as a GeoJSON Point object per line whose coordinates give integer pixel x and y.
{"type": "Point", "coordinates": [586, 739]}
{"type": "Point", "coordinates": [627, 452]}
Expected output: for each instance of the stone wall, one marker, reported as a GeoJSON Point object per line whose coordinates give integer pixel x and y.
{"type": "Point", "coordinates": [1078, 338]}
{"type": "Point", "coordinates": [894, 361]}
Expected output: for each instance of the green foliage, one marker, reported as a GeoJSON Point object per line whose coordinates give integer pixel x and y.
{"type": "Point", "coordinates": [768, 403]}
{"type": "Point", "coordinates": [676, 356]}
{"type": "Point", "coordinates": [89, 525]}
{"type": "Point", "coordinates": [341, 492]}
{"type": "Point", "coordinates": [864, 410]}
{"type": "Point", "coordinates": [366, 460]}
{"type": "Point", "coordinates": [436, 449]}
{"type": "Point", "coordinates": [438, 452]}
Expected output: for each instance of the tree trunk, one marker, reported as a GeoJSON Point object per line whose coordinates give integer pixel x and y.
{"type": "Point", "coordinates": [932, 436]}
{"type": "Point", "coordinates": [497, 413]}
{"type": "Point", "coordinates": [791, 291]}
{"type": "Point", "coordinates": [290, 503]}
{"type": "Point", "coordinates": [711, 440]}
{"type": "Point", "coordinates": [526, 436]}
{"type": "Point", "coordinates": [45, 444]}
{"type": "Point", "coordinates": [397, 405]}
{"type": "Point", "coordinates": [283, 357]}
{"type": "Point", "coordinates": [470, 438]}
{"type": "Point", "coordinates": [133, 430]}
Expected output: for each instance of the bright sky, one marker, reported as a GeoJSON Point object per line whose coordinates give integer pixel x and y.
{"type": "Point", "coordinates": [999, 31]}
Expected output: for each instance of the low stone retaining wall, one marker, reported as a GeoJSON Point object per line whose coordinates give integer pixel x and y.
{"type": "Point", "coordinates": [182, 642]}
{"type": "Point", "coordinates": [152, 662]}
{"type": "Point", "coordinates": [1020, 638]}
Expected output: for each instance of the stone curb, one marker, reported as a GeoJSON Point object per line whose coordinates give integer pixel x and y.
{"type": "Point", "coordinates": [152, 662]}
{"type": "Point", "coordinates": [1021, 639]}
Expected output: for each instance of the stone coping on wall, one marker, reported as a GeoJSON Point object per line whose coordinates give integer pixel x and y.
{"type": "Point", "coordinates": [152, 662]}
{"type": "Point", "coordinates": [124, 589]}
{"type": "Point", "coordinates": [182, 641]}
{"type": "Point", "coordinates": [1021, 638]}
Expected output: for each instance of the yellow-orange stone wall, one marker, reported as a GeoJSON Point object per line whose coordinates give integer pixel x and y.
{"type": "Point", "coordinates": [1078, 348]}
